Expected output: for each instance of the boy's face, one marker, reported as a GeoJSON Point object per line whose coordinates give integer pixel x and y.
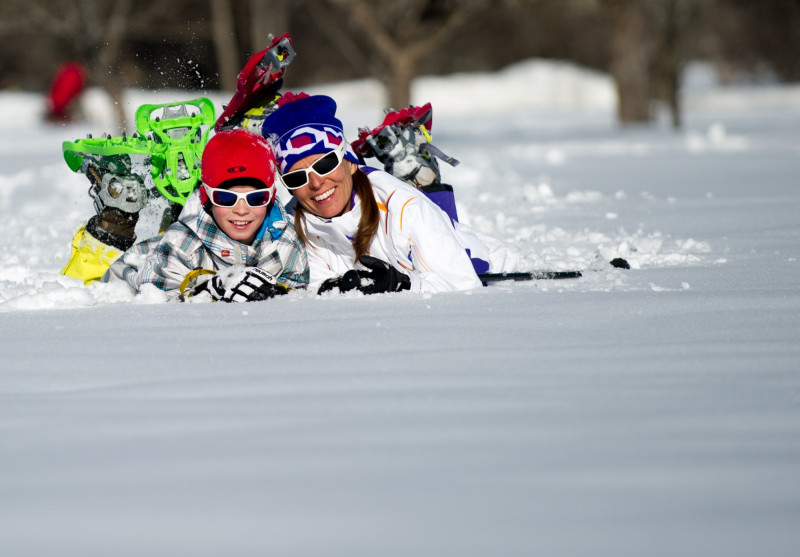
{"type": "Point", "coordinates": [240, 222]}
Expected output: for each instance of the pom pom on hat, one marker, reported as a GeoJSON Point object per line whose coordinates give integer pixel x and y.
{"type": "Point", "coordinates": [303, 126]}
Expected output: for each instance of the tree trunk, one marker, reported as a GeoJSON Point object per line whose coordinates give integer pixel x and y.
{"type": "Point", "coordinates": [667, 68]}
{"type": "Point", "coordinates": [224, 33]}
{"type": "Point", "coordinates": [630, 59]}
{"type": "Point", "coordinates": [399, 50]}
{"type": "Point", "coordinates": [398, 81]}
{"type": "Point", "coordinates": [104, 71]}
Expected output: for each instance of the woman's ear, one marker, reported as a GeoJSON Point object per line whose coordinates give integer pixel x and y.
{"type": "Point", "coordinates": [353, 168]}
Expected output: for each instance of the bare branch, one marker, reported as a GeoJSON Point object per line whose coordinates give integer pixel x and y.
{"type": "Point", "coordinates": [346, 47]}
{"type": "Point", "coordinates": [408, 19]}
{"type": "Point", "coordinates": [368, 23]}
{"type": "Point", "coordinates": [34, 14]}
{"type": "Point", "coordinates": [444, 31]}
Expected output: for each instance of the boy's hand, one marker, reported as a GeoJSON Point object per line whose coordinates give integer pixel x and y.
{"type": "Point", "coordinates": [244, 284]}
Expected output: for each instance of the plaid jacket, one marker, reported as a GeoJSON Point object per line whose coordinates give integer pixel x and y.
{"type": "Point", "coordinates": [194, 241]}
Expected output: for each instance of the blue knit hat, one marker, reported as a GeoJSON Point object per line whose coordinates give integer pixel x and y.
{"type": "Point", "coordinates": [304, 126]}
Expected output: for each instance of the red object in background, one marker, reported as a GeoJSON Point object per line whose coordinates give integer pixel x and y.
{"type": "Point", "coordinates": [69, 81]}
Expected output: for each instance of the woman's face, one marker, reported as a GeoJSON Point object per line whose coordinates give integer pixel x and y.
{"type": "Point", "coordinates": [240, 222]}
{"type": "Point", "coordinates": [325, 196]}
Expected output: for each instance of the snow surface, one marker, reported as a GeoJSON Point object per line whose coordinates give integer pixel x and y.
{"type": "Point", "coordinates": [652, 411]}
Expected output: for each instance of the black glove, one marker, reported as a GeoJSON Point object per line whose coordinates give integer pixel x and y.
{"type": "Point", "coordinates": [345, 283]}
{"type": "Point", "coordinates": [381, 277]}
{"type": "Point", "coordinates": [249, 284]}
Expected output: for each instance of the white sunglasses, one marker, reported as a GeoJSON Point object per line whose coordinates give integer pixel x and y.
{"type": "Point", "coordinates": [323, 166]}
{"type": "Point", "coordinates": [227, 198]}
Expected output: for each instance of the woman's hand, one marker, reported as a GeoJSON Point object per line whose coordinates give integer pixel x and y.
{"type": "Point", "coordinates": [380, 277]}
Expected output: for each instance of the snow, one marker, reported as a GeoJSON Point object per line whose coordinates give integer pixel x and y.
{"type": "Point", "coordinates": [652, 411]}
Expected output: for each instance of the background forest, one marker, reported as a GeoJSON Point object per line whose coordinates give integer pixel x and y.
{"type": "Point", "coordinates": [202, 44]}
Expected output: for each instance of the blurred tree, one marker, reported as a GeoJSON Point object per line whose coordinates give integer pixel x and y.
{"type": "Point", "coordinates": [201, 44]}
{"type": "Point", "coordinates": [755, 39]}
{"type": "Point", "coordinates": [668, 62]}
{"type": "Point", "coordinates": [631, 53]}
{"type": "Point", "coordinates": [106, 35]}
{"type": "Point", "coordinates": [224, 30]}
{"type": "Point", "coordinates": [94, 32]}
{"type": "Point", "coordinates": [676, 26]}
{"type": "Point", "coordinates": [398, 33]}
{"type": "Point", "coordinates": [650, 43]}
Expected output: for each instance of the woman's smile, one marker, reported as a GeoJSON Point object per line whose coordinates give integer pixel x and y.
{"type": "Point", "coordinates": [324, 196]}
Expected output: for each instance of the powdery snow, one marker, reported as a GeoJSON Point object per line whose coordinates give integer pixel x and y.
{"type": "Point", "coordinates": [652, 411]}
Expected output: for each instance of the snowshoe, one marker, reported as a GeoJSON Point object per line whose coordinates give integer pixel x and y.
{"type": "Point", "coordinates": [169, 143]}
{"type": "Point", "coordinates": [180, 131]}
{"type": "Point", "coordinates": [257, 86]}
{"type": "Point", "coordinates": [402, 143]}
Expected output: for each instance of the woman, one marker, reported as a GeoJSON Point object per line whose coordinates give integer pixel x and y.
{"type": "Point", "coordinates": [363, 228]}
{"type": "Point", "coordinates": [232, 241]}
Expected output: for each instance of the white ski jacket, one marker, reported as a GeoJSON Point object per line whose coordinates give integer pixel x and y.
{"type": "Point", "coordinates": [414, 236]}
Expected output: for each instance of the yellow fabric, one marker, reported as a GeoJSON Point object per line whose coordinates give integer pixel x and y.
{"type": "Point", "coordinates": [254, 117]}
{"type": "Point", "coordinates": [90, 257]}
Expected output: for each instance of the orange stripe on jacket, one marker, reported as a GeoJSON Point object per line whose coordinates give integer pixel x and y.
{"type": "Point", "coordinates": [403, 209]}
{"type": "Point", "coordinates": [421, 261]}
{"type": "Point", "coordinates": [406, 267]}
{"type": "Point", "coordinates": [386, 208]}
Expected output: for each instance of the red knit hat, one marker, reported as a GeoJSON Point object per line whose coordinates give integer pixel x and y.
{"type": "Point", "coordinates": [234, 155]}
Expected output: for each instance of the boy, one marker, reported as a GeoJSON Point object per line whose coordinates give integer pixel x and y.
{"type": "Point", "coordinates": [232, 240]}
